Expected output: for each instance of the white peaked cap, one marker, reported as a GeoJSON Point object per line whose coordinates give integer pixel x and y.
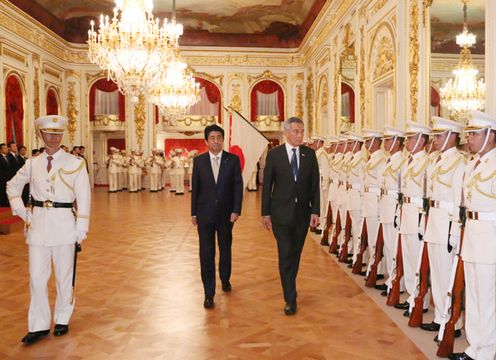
{"type": "Point", "coordinates": [318, 138]}
{"type": "Point", "coordinates": [51, 124]}
{"type": "Point", "coordinates": [441, 125]}
{"type": "Point", "coordinates": [333, 139]}
{"type": "Point", "coordinates": [390, 131]}
{"type": "Point", "coordinates": [343, 137]}
{"type": "Point", "coordinates": [354, 137]}
{"type": "Point", "coordinates": [413, 128]}
{"type": "Point", "coordinates": [478, 120]}
{"type": "Point", "coordinates": [369, 133]}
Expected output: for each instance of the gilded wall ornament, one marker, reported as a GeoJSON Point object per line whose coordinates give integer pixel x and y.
{"type": "Point", "coordinates": [378, 6]}
{"type": "Point", "coordinates": [425, 5]}
{"type": "Point", "coordinates": [235, 102]}
{"type": "Point", "coordinates": [362, 76]}
{"type": "Point", "coordinates": [267, 75]}
{"type": "Point", "coordinates": [139, 120]}
{"type": "Point", "coordinates": [309, 100]}
{"type": "Point", "coordinates": [299, 101]}
{"type": "Point", "coordinates": [36, 84]}
{"type": "Point", "coordinates": [414, 57]}
{"type": "Point", "coordinates": [216, 79]}
{"type": "Point", "coordinates": [337, 90]}
{"type": "Point", "coordinates": [385, 58]}
{"type": "Point", "coordinates": [72, 111]}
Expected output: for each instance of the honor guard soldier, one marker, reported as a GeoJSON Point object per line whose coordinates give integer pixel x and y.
{"type": "Point", "coordinates": [342, 196]}
{"type": "Point", "coordinates": [388, 204]}
{"type": "Point", "coordinates": [191, 157]}
{"type": "Point", "coordinates": [413, 188]}
{"type": "Point", "coordinates": [133, 172]}
{"type": "Point", "coordinates": [155, 164]}
{"type": "Point", "coordinates": [323, 160]}
{"type": "Point", "coordinates": [124, 169]}
{"type": "Point", "coordinates": [338, 144]}
{"type": "Point", "coordinates": [374, 168]}
{"type": "Point", "coordinates": [442, 233]}
{"type": "Point", "coordinates": [179, 167]}
{"type": "Point", "coordinates": [53, 225]}
{"type": "Point", "coordinates": [354, 185]}
{"type": "Point", "coordinates": [113, 170]}
{"type": "Point", "coordinates": [479, 244]}
{"type": "Point", "coordinates": [330, 149]}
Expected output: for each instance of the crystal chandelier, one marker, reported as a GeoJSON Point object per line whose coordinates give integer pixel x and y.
{"type": "Point", "coordinates": [464, 93]}
{"type": "Point", "coordinates": [175, 90]}
{"type": "Point", "coordinates": [132, 47]}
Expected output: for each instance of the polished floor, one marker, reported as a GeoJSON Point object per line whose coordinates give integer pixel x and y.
{"type": "Point", "coordinates": [139, 295]}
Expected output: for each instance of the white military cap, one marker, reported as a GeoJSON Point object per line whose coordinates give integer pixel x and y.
{"type": "Point", "coordinates": [354, 137]}
{"type": "Point", "coordinates": [369, 133]}
{"type": "Point", "coordinates": [123, 151]}
{"type": "Point", "coordinates": [51, 124]}
{"type": "Point", "coordinates": [112, 148]}
{"type": "Point", "coordinates": [413, 129]}
{"type": "Point", "coordinates": [441, 125]}
{"type": "Point", "coordinates": [179, 150]}
{"type": "Point", "coordinates": [478, 120]}
{"type": "Point", "coordinates": [390, 132]}
{"type": "Point", "coordinates": [343, 138]}
{"type": "Point", "coordinates": [333, 139]}
{"type": "Point", "coordinates": [318, 138]}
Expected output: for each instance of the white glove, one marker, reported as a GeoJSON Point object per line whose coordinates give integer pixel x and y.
{"type": "Point", "coordinates": [80, 235]}
{"type": "Point", "coordinates": [24, 214]}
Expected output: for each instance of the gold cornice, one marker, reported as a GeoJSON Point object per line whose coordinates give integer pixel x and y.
{"type": "Point", "coordinates": [14, 55]}
{"type": "Point", "coordinates": [275, 60]}
{"type": "Point", "coordinates": [267, 75]}
{"type": "Point", "coordinates": [48, 70]}
{"type": "Point", "coordinates": [216, 79]}
{"type": "Point", "coordinates": [414, 57]}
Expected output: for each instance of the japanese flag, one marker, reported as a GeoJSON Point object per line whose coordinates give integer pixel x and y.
{"type": "Point", "coordinates": [246, 142]}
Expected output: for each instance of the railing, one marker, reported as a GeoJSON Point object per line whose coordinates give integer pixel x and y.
{"type": "Point", "coordinates": [268, 123]}
{"type": "Point", "coordinates": [107, 123]}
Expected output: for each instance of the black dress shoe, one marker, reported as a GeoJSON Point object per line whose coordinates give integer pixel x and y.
{"type": "Point", "coordinates": [349, 262]}
{"type": "Point", "coordinates": [209, 302]}
{"type": "Point", "coordinates": [458, 333]}
{"type": "Point", "coordinates": [324, 242]}
{"type": "Point", "coordinates": [60, 330]}
{"type": "Point", "coordinates": [459, 356]}
{"type": "Point", "coordinates": [350, 266]}
{"type": "Point", "coordinates": [362, 273]}
{"type": "Point", "coordinates": [226, 286]}
{"type": "Point", "coordinates": [381, 287]}
{"type": "Point", "coordinates": [402, 306]}
{"type": "Point", "coordinates": [380, 277]}
{"type": "Point", "coordinates": [384, 293]}
{"type": "Point", "coordinates": [406, 313]}
{"type": "Point", "coordinates": [290, 309]}
{"type": "Point", "coordinates": [32, 337]}
{"type": "Point", "coordinates": [430, 326]}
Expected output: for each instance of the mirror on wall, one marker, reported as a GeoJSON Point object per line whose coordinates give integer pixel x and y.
{"type": "Point", "coordinates": [446, 22]}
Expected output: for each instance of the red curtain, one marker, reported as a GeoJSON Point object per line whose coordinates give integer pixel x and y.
{"type": "Point", "coordinates": [267, 87]}
{"type": "Point", "coordinates": [52, 104]}
{"type": "Point", "coordinates": [213, 94]}
{"type": "Point", "coordinates": [14, 110]}
{"type": "Point", "coordinates": [117, 143]}
{"type": "Point", "coordinates": [345, 88]}
{"type": "Point", "coordinates": [190, 144]}
{"type": "Point", "coordinates": [107, 86]}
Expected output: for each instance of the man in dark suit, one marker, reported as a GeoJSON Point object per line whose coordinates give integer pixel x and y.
{"type": "Point", "coordinates": [5, 171]}
{"type": "Point", "coordinates": [15, 161]}
{"type": "Point", "coordinates": [216, 197]}
{"type": "Point", "coordinates": [290, 203]}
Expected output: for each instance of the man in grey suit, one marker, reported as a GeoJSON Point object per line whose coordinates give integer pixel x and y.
{"type": "Point", "coordinates": [290, 202]}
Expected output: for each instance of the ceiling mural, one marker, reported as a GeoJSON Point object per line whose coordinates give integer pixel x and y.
{"type": "Point", "coordinates": [273, 23]}
{"type": "Point", "coordinates": [447, 22]}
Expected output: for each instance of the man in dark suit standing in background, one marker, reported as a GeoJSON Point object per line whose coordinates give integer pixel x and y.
{"type": "Point", "coordinates": [290, 203]}
{"type": "Point", "coordinates": [5, 172]}
{"type": "Point", "coordinates": [216, 197]}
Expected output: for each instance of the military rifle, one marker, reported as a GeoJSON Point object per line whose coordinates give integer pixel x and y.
{"type": "Point", "coordinates": [357, 266]}
{"type": "Point", "coordinates": [328, 224]}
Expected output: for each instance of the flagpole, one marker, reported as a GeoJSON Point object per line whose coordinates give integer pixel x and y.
{"type": "Point", "coordinates": [230, 110]}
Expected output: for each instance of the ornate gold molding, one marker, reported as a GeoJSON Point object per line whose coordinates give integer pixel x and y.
{"type": "Point", "coordinates": [235, 102]}
{"type": "Point", "coordinates": [324, 60]}
{"type": "Point", "coordinates": [244, 60]}
{"type": "Point", "coordinates": [385, 57]}
{"type": "Point", "coordinates": [216, 79]}
{"type": "Point", "coordinates": [236, 76]}
{"type": "Point", "coordinates": [14, 55]}
{"type": "Point", "coordinates": [72, 111]}
{"type": "Point", "coordinates": [425, 5]}
{"type": "Point", "coordinates": [267, 75]}
{"type": "Point", "coordinates": [299, 101]}
{"type": "Point", "coordinates": [378, 6]}
{"type": "Point", "coordinates": [414, 57]}
{"type": "Point", "coordinates": [90, 77]}
{"type": "Point", "coordinates": [299, 76]}
{"type": "Point", "coordinates": [139, 120]}
{"type": "Point", "coordinates": [362, 76]}
{"type": "Point", "coordinates": [309, 101]}
{"type": "Point", "coordinates": [36, 90]}
{"type": "Point", "coordinates": [337, 89]}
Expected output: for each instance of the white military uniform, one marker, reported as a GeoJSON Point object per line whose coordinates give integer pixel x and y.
{"type": "Point", "coordinates": [323, 161]}
{"type": "Point", "coordinates": [191, 157]}
{"type": "Point", "coordinates": [124, 169]}
{"type": "Point", "coordinates": [179, 172]}
{"type": "Point", "coordinates": [479, 248]}
{"type": "Point", "coordinates": [172, 171]}
{"type": "Point", "coordinates": [374, 168]}
{"type": "Point", "coordinates": [342, 192]}
{"type": "Point", "coordinates": [113, 165]}
{"type": "Point", "coordinates": [411, 227]}
{"type": "Point", "coordinates": [354, 186]}
{"type": "Point", "coordinates": [51, 233]}
{"type": "Point", "coordinates": [394, 170]}
{"type": "Point", "coordinates": [156, 164]}
{"type": "Point", "coordinates": [446, 177]}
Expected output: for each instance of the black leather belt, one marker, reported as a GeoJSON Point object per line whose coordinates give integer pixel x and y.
{"type": "Point", "coordinates": [51, 204]}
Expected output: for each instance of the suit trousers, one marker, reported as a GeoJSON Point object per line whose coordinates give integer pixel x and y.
{"type": "Point", "coordinates": [40, 258]}
{"type": "Point", "coordinates": [290, 241]}
{"type": "Point", "coordinates": [206, 234]}
{"type": "Point", "coordinates": [480, 310]}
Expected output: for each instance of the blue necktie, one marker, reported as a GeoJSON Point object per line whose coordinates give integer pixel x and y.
{"type": "Point", "coordinates": [294, 164]}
